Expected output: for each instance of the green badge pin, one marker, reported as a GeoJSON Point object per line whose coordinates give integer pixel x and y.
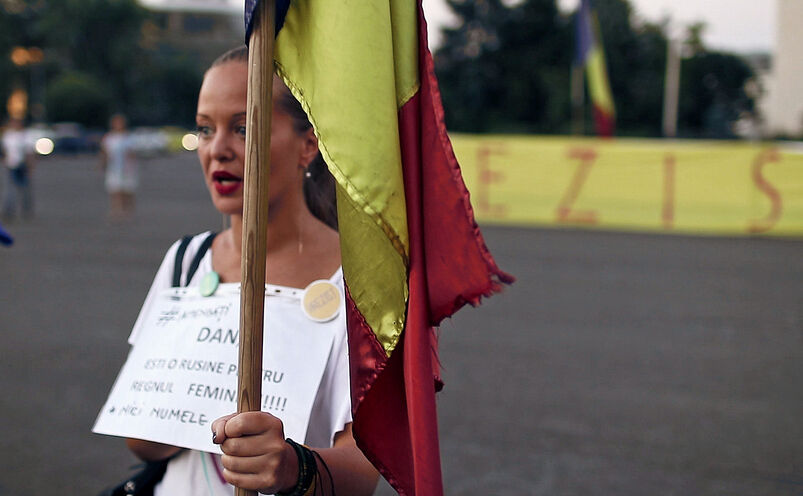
{"type": "Point", "coordinates": [209, 284]}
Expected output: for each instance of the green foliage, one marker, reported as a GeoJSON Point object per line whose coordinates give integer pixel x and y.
{"type": "Point", "coordinates": [499, 68]}
{"type": "Point", "coordinates": [98, 42]}
{"type": "Point", "coordinates": [713, 86]}
{"type": "Point", "coordinates": [79, 97]}
{"type": "Point", "coordinates": [166, 91]}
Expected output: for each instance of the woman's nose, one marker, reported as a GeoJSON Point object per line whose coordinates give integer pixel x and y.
{"type": "Point", "coordinates": [221, 147]}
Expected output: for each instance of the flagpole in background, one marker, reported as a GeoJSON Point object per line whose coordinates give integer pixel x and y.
{"type": "Point", "coordinates": [671, 86]}
{"type": "Point", "coordinates": [578, 99]}
{"type": "Point", "coordinates": [255, 210]}
{"type": "Point", "coordinates": [590, 56]}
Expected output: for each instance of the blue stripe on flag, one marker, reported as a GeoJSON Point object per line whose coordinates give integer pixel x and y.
{"type": "Point", "coordinates": [281, 12]}
{"type": "Point", "coordinates": [585, 36]}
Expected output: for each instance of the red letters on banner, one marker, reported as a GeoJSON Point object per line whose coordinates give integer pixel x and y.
{"type": "Point", "coordinates": [564, 212]}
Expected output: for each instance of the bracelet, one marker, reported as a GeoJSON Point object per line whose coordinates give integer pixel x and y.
{"type": "Point", "coordinates": [307, 471]}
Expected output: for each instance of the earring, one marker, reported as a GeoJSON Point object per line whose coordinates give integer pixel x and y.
{"type": "Point", "coordinates": [307, 173]}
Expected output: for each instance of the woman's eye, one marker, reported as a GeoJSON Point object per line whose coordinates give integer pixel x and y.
{"type": "Point", "coordinates": [241, 131]}
{"type": "Point", "coordinates": [203, 131]}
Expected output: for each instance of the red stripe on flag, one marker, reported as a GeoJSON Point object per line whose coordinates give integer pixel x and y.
{"type": "Point", "coordinates": [604, 122]}
{"type": "Point", "coordinates": [396, 422]}
{"type": "Point", "coordinates": [459, 267]}
{"type": "Point", "coordinates": [366, 356]}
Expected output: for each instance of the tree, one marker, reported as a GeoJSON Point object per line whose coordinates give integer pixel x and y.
{"type": "Point", "coordinates": [713, 95]}
{"type": "Point", "coordinates": [499, 68]}
{"type": "Point", "coordinates": [100, 43]}
{"type": "Point", "coordinates": [79, 97]}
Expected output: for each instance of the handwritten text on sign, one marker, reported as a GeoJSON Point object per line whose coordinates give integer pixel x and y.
{"type": "Point", "coordinates": [181, 373]}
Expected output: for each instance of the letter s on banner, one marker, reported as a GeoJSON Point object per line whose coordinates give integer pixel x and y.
{"type": "Point", "coordinates": [767, 223]}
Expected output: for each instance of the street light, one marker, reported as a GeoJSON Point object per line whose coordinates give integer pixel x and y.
{"type": "Point", "coordinates": [22, 56]}
{"type": "Point", "coordinates": [33, 57]}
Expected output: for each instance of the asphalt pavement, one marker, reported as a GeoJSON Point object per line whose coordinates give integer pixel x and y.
{"type": "Point", "coordinates": [618, 364]}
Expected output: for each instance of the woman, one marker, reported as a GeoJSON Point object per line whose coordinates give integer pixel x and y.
{"type": "Point", "coordinates": [18, 161]}
{"type": "Point", "coordinates": [118, 160]}
{"type": "Point", "coordinates": [301, 248]}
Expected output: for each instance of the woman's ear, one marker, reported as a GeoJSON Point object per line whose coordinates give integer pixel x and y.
{"type": "Point", "coordinates": [309, 147]}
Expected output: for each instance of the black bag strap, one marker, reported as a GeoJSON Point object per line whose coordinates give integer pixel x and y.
{"type": "Point", "coordinates": [196, 260]}
{"type": "Point", "coordinates": [182, 248]}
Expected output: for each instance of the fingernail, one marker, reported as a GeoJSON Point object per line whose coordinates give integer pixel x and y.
{"type": "Point", "coordinates": [214, 436]}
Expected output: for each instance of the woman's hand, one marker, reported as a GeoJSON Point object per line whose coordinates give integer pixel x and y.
{"type": "Point", "coordinates": [255, 454]}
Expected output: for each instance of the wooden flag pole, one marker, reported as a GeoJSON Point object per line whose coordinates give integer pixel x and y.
{"type": "Point", "coordinates": [255, 210]}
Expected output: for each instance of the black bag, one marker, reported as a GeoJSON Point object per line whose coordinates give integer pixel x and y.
{"type": "Point", "coordinates": [149, 474]}
{"type": "Point", "coordinates": [142, 482]}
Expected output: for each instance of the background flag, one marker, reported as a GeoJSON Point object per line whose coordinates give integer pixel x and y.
{"type": "Point", "coordinates": [589, 54]}
{"type": "Point", "coordinates": [412, 253]}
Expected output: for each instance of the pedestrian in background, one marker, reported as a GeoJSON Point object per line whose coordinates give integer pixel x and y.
{"type": "Point", "coordinates": [18, 160]}
{"type": "Point", "coordinates": [119, 162]}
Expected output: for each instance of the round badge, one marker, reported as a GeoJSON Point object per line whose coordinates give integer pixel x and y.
{"type": "Point", "coordinates": [321, 301]}
{"type": "Point", "coordinates": [209, 284]}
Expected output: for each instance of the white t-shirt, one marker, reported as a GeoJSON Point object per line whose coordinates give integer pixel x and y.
{"type": "Point", "coordinates": [14, 147]}
{"type": "Point", "coordinates": [197, 473]}
{"type": "Point", "coordinates": [121, 168]}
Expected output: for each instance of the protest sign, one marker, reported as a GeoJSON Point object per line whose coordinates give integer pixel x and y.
{"type": "Point", "coordinates": [181, 373]}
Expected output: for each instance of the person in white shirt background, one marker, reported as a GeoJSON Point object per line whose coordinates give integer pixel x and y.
{"type": "Point", "coordinates": [119, 162]}
{"type": "Point", "coordinates": [17, 159]}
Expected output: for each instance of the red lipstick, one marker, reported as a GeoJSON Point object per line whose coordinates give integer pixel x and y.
{"type": "Point", "coordinates": [226, 183]}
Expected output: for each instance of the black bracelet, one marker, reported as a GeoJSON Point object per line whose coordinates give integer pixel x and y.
{"type": "Point", "coordinates": [307, 470]}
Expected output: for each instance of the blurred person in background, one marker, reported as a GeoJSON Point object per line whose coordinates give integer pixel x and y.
{"type": "Point", "coordinates": [119, 162]}
{"type": "Point", "coordinates": [18, 159]}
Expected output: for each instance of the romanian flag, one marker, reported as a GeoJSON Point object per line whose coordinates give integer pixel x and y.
{"type": "Point", "coordinates": [412, 253]}
{"type": "Point", "coordinates": [589, 54]}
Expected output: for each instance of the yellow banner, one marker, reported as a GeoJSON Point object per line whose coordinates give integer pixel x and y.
{"type": "Point", "coordinates": [698, 187]}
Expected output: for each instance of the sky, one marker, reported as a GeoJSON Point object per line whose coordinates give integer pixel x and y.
{"type": "Point", "coordinates": [742, 26]}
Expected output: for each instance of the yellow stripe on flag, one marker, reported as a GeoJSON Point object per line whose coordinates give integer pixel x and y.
{"type": "Point", "coordinates": [598, 81]}
{"type": "Point", "coordinates": [355, 86]}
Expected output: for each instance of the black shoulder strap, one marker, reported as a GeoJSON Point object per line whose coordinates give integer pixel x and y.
{"type": "Point", "coordinates": [196, 260]}
{"type": "Point", "coordinates": [182, 248]}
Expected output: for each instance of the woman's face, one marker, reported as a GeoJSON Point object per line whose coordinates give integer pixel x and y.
{"type": "Point", "coordinates": [221, 120]}
{"type": "Point", "coordinates": [118, 123]}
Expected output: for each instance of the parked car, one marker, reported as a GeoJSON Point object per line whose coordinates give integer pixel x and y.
{"type": "Point", "coordinates": [71, 137]}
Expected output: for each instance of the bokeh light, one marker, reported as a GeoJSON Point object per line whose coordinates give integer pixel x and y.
{"type": "Point", "coordinates": [190, 141]}
{"type": "Point", "coordinates": [44, 146]}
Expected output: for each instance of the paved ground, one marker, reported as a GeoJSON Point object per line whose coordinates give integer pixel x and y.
{"type": "Point", "coordinates": [619, 364]}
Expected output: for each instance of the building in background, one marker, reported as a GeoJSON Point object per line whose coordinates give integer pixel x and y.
{"type": "Point", "coordinates": [203, 27]}
{"type": "Point", "coordinates": [782, 108]}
